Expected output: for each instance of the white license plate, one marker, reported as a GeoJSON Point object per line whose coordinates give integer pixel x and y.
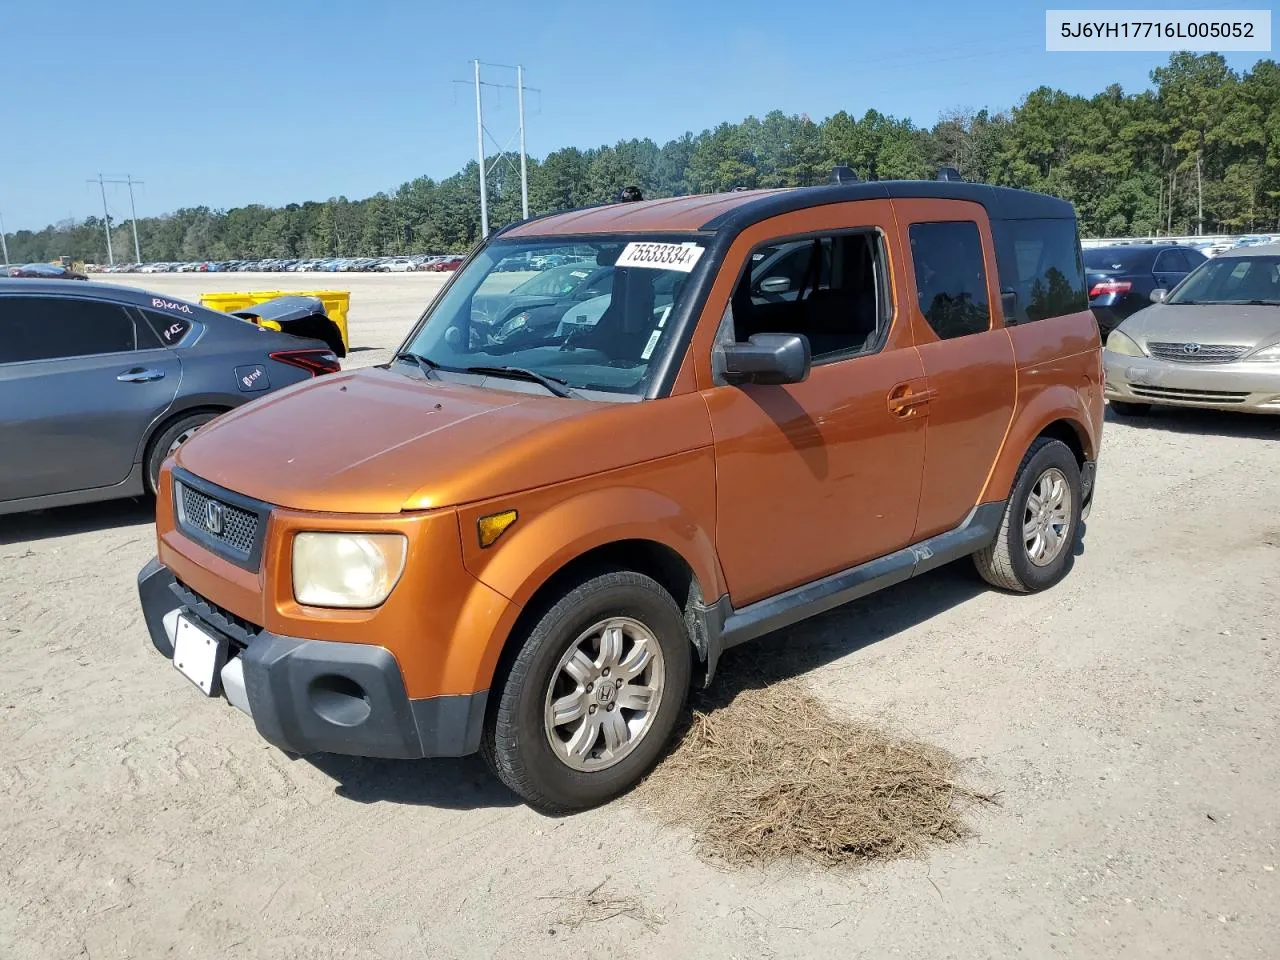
{"type": "Point", "coordinates": [198, 656]}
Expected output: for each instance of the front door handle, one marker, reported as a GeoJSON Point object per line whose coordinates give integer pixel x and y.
{"type": "Point", "coordinates": [140, 375]}
{"type": "Point", "coordinates": [904, 399]}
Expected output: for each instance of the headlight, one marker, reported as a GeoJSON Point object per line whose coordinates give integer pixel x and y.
{"type": "Point", "coordinates": [1117, 342]}
{"type": "Point", "coordinates": [1267, 353]}
{"type": "Point", "coordinates": [356, 570]}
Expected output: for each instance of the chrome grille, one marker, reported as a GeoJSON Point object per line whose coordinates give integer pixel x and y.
{"type": "Point", "coordinates": [1188, 396]}
{"type": "Point", "coordinates": [232, 527]}
{"type": "Point", "coordinates": [1197, 352]}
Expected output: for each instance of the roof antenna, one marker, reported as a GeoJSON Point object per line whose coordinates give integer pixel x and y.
{"type": "Point", "coordinates": [843, 174]}
{"type": "Point", "coordinates": [949, 173]}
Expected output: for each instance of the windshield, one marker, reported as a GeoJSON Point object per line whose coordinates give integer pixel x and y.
{"type": "Point", "coordinates": [1231, 280]}
{"type": "Point", "coordinates": [589, 314]}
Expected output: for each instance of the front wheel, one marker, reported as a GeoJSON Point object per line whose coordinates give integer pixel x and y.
{"type": "Point", "coordinates": [1041, 521]}
{"type": "Point", "coordinates": [592, 696]}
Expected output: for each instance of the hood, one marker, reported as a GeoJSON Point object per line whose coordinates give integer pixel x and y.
{"type": "Point", "coordinates": [383, 441]}
{"type": "Point", "coordinates": [1227, 323]}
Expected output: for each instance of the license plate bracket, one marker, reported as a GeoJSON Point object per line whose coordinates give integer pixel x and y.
{"type": "Point", "coordinates": [199, 655]}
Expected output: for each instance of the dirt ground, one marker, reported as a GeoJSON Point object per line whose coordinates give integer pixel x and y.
{"type": "Point", "coordinates": [1128, 717]}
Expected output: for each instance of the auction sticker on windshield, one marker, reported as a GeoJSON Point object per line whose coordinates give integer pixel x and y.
{"type": "Point", "coordinates": [660, 256]}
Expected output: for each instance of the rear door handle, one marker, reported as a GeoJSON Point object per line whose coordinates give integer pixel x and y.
{"type": "Point", "coordinates": [140, 375]}
{"type": "Point", "coordinates": [904, 399]}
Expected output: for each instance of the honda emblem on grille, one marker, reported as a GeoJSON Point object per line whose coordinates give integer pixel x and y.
{"type": "Point", "coordinates": [213, 517]}
{"type": "Point", "coordinates": [1191, 349]}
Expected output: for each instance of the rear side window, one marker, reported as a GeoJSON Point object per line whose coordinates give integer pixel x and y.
{"type": "Point", "coordinates": [1041, 265]}
{"type": "Point", "coordinates": [951, 282]}
{"type": "Point", "coordinates": [170, 329]}
{"type": "Point", "coordinates": [49, 328]}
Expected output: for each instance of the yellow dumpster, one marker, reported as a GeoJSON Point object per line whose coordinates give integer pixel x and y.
{"type": "Point", "coordinates": [336, 303]}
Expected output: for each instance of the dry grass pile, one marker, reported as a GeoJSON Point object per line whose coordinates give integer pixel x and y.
{"type": "Point", "coordinates": [771, 775]}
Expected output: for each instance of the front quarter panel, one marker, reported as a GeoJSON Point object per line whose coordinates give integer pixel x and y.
{"type": "Point", "coordinates": [670, 502]}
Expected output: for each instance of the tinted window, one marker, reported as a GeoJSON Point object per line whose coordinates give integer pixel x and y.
{"type": "Point", "coordinates": [1171, 261]}
{"type": "Point", "coordinates": [1116, 259]}
{"type": "Point", "coordinates": [169, 328]}
{"type": "Point", "coordinates": [1040, 262]}
{"type": "Point", "coordinates": [829, 289]}
{"type": "Point", "coordinates": [45, 328]}
{"type": "Point", "coordinates": [951, 283]}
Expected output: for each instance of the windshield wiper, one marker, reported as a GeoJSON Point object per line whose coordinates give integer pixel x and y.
{"type": "Point", "coordinates": [425, 364]}
{"type": "Point", "coordinates": [554, 385]}
{"type": "Point", "coordinates": [1258, 302]}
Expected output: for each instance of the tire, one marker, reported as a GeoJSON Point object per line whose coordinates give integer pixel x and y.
{"type": "Point", "coordinates": [169, 438]}
{"type": "Point", "coordinates": [519, 732]}
{"type": "Point", "coordinates": [1124, 409]}
{"type": "Point", "coordinates": [1010, 562]}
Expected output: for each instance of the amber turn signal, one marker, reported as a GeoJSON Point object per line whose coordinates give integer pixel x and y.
{"type": "Point", "coordinates": [494, 526]}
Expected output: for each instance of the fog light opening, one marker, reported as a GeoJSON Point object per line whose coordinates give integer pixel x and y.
{"type": "Point", "coordinates": [339, 700]}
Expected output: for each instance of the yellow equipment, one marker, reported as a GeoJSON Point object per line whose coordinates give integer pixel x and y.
{"type": "Point", "coordinates": [336, 303]}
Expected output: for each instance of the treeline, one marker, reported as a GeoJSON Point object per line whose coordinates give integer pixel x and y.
{"type": "Point", "coordinates": [1200, 152]}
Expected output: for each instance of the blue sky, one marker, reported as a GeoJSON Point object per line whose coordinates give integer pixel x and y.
{"type": "Point", "coordinates": [283, 100]}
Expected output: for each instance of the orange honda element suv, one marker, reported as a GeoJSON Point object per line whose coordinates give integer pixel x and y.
{"type": "Point", "coordinates": [620, 441]}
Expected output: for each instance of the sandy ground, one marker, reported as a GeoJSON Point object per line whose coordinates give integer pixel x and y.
{"type": "Point", "coordinates": [1129, 718]}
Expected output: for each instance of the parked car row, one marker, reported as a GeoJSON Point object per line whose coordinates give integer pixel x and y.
{"type": "Point", "coordinates": [422, 261]}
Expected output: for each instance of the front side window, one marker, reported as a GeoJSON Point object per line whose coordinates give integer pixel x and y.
{"type": "Point", "coordinates": [1231, 280]}
{"type": "Point", "coordinates": [1041, 266]}
{"type": "Point", "coordinates": [591, 314]}
{"type": "Point", "coordinates": [50, 328]}
{"type": "Point", "coordinates": [829, 289]}
{"type": "Point", "coordinates": [951, 282]}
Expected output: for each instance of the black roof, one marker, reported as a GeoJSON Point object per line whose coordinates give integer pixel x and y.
{"type": "Point", "coordinates": [1001, 203]}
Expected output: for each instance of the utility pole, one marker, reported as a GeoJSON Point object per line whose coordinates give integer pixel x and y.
{"type": "Point", "coordinates": [106, 220]}
{"type": "Point", "coordinates": [503, 155]}
{"type": "Point", "coordinates": [524, 170]}
{"type": "Point", "coordinates": [484, 190]}
{"type": "Point", "coordinates": [4, 245]}
{"type": "Point", "coordinates": [133, 212]}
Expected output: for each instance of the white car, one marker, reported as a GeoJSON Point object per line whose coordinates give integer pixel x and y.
{"type": "Point", "coordinates": [396, 265]}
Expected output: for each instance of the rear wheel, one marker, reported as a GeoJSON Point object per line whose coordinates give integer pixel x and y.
{"type": "Point", "coordinates": [592, 696]}
{"type": "Point", "coordinates": [169, 439]}
{"type": "Point", "coordinates": [1124, 409]}
{"type": "Point", "coordinates": [1041, 522]}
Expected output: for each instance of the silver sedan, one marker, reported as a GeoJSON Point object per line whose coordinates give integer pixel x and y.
{"type": "Point", "coordinates": [1213, 341]}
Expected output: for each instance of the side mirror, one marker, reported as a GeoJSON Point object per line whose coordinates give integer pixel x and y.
{"type": "Point", "coordinates": [769, 358]}
{"type": "Point", "coordinates": [775, 285]}
{"type": "Point", "coordinates": [1158, 295]}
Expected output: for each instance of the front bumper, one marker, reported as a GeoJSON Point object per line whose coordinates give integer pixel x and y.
{"type": "Point", "coordinates": [1240, 385]}
{"type": "Point", "coordinates": [316, 696]}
